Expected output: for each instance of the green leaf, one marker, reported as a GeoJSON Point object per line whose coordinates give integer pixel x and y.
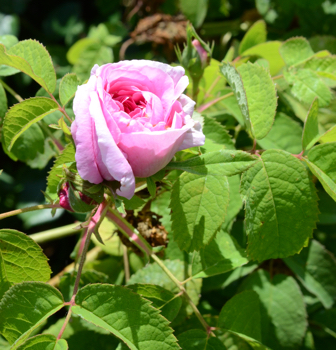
{"type": "Point", "coordinates": [329, 136]}
{"type": "Point", "coordinates": [31, 58]}
{"type": "Point", "coordinates": [44, 342]}
{"type": "Point", "coordinates": [17, 252]}
{"type": "Point", "coordinates": [241, 314]}
{"type": "Point", "coordinates": [197, 339]}
{"type": "Point", "coordinates": [283, 313]}
{"type": "Point", "coordinates": [219, 163]}
{"type": "Point", "coordinates": [68, 88]}
{"type": "Point", "coordinates": [126, 315]}
{"type": "Point", "coordinates": [281, 206]}
{"type": "Point", "coordinates": [307, 85]}
{"type": "Point", "coordinates": [257, 34]}
{"type": "Point", "coordinates": [78, 48]}
{"type": "Point", "coordinates": [321, 162]}
{"type": "Point", "coordinates": [24, 307]}
{"type": "Point", "coordinates": [8, 41]}
{"type": "Point", "coordinates": [311, 131]}
{"type": "Point", "coordinates": [198, 206]}
{"type": "Point", "coordinates": [286, 134]}
{"type": "Point", "coordinates": [295, 51]}
{"type": "Point", "coordinates": [325, 67]}
{"type": "Point", "coordinates": [316, 267]}
{"type": "Point", "coordinates": [3, 104]}
{"type": "Point", "coordinates": [256, 96]}
{"type": "Point", "coordinates": [270, 52]}
{"type": "Point", "coordinates": [222, 254]}
{"type": "Point", "coordinates": [195, 11]}
{"type": "Point", "coordinates": [161, 298]}
{"type": "Point", "coordinates": [23, 115]}
{"type": "Point", "coordinates": [217, 133]}
{"type": "Point", "coordinates": [151, 186]}
{"type": "Point", "coordinates": [67, 156]}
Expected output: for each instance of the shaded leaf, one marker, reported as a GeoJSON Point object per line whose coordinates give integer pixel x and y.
{"type": "Point", "coordinates": [44, 342]}
{"type": "Point", "coordinates": [197, 339]}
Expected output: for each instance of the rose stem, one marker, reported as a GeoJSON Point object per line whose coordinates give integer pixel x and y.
{"type": "Point", "coordinates": [24, 210]}
{"type": "Point", "coordinates": [126, 264]}
{"type": "Point", "coordinates": [127, 230]}
{"type": "Point", "coordinates": [55, 233]}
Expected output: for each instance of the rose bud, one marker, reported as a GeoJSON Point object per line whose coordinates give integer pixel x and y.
{"type": "Point", "coordinates": [202, 53]}
{"type": "Point", "coordinates": [131, 118]}
{"type": "Point", "coordinates": [63, 195]}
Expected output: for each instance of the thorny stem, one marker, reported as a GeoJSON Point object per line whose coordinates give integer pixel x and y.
{"type": "Point", "coordinates": [25, 210]}
{"type": "Point", "coordinates": [11, 91]}
{"type": "Point", "coordinates": [65, 322]}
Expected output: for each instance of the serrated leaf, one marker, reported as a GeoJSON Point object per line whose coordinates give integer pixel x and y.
{"type": "Point", "coordinates": [21, 259]}
{"type": "Point", "coordinates": [283, 313]}
{"type": "Point", "coordinates": [44, 342]}
{"type": "Point", "coordinates": [270, 52]}
{"type": "Point", "coordinates": [316, 267]}
{"type": "Point", "coordinates": [286, 134]}
{"type": "Point", "coordinates": [257, 34]}
{"type": "Point", "coordinates": [295, 51]}
{"type": "Point", "coordinates": [126, 315]}
{"type": "Point", "coordinates": [217, 133]}
{"type": "Point", "coordinates": [161, 298]}
{"type": "Point", "coordinates": [23, 115]}
{"type": "Point", "coordinates": [31, 57]}
{"type": "Point", "coordinates": [24, 307]}
{"type": "Point", "coordinates": [221, 255]}
{"type": "Point", "coordinates": [325, 67]}
{"type": "Point", "coordinates": [151, 186]}
{"type": "Point", "coordinates": [281, 206]}
{"type": "Point", "coordinates": [321, 162]}
{"type": "Point", "coordinates": [68, 87]}
{"type": "Point", "coordinates": [8, 41]}
{"type": "Point", "coordinates": [311, 130]}
{"type": "Point", "coordinates": [67, 156]}
{"type": "Point", "coordinates": [256, 96]}
{"type": "Point", "coordinates": [307, 85]}
{"type": "Point", "coordinates": [198, 206]}
{"type": "Point", "coordinates": [241, 314]}
{"type": "Point", "coordinates": [197, 339]}
{"type": "Point", "coordinates": [219, 163]}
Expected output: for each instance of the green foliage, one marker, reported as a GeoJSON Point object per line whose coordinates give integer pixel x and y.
{"type": "Point", "coordinates": [67, 88]}
{"type": "Point", "coordinates": [21, 315]}
{"type": "Point", "coordinates": [198, 206]}
{"type": "Point", "coordinates": [126, 315]}
{"type": "Point", "coordinates": [270, 210]}
{"type": "Point", "coordinates": [295, 51]}
{"type": "Point", "coordinates": [311, 132]}
{"type": "Point", "coordinates": [44, 342]}
{"type": "Point", "coordinates": [17, 251]}
{"type": "Point", "coordinates": [256, 35]}
{"type": "Point", "coordinates": [30, 57]}
{"type": "Point", "coordinates": [195, 12]}
{"type": "Point", "coordinates": [23, 115]}
{"type": "Point", "coordinates": [196, 339]}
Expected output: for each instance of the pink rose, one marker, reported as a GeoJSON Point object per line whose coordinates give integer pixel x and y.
{"type": "Point", "coordinates": [131, 118]}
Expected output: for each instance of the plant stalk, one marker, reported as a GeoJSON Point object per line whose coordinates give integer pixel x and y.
{"type": "Point", "coordinates": [11, 91]}
{"type": "Point", "coordinates": [25, 210]}
{"type": "Point", "coordinates": [55, 233]}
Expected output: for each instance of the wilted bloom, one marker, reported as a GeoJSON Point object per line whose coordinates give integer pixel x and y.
{"type": "Point", "coordinates": [131, 118]}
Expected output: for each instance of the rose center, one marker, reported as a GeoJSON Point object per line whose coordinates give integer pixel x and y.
{"type": "Point", "coordinates": [131, 102]}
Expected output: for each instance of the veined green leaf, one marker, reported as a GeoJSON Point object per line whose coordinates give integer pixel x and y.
{"type": "Point", "coordinates": [68, 88]}
{"type": "Point", "coordinates": [283, 312]}
{"type": "Point", "coordinates": [126, 315]}
{"type": "Point", "coordinates": [31, 57]}
{"type": "Point", "coordinates": [241, 314]}
{"type": "Point", "coordinates": [162, 299]}
{"type": "Point", "coordinates": [198, 206]}
{"type": "Point", "coordinates": [256, 96]}
{"type": "Point", "coordinates": [44, 342]}
{"type": "Point", "coordinates": [24, 307]}
{"type": "Point", "coordinates": [324, 66]}
{"type": "Point", "coordinates": [8, 41]}
{"type": "Point", "coordinates": [316, 267]}
{"type": "Point", "coordinates": [295, 51]}
{"type": "Point", "coordinates": [307, 85]}
{"type": "Point", "coordinates": [222, 254]}
{"type": "Point", "coordinates": [270, 52]}
{"type": "Point", "coordinates": [67, 156]}
{"type": "Point", "coordinates": [24, 114]}
{"type": "Point", "coordinates": [219, 163]}
{"type": "Point", "coordinates": [281, 206]}
{"type": "Point", "coordinates": [17, 251]}
{"type": "Point", "coordinates": [197, 339]}
{"type": "Point", "coordinates": [286, 134]}
{"type": "Point", "coordinates": [310, 131]}
{"type": "Point", "coordinates": [257, 34]}
{"type": "Point", "coordinates": [321, 162]}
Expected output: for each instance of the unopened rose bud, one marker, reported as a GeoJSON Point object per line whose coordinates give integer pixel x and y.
{"type": "Point", "coordinates": [63, 195]}
{"type": "Point", "coordinates": [201, 51]}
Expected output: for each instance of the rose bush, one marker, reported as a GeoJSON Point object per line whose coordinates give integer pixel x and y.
{"type": "Point", "coordinates": [131, 118]}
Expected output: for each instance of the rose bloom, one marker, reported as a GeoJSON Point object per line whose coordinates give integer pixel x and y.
{"type": "Point", "coordinates": [131, 118]}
